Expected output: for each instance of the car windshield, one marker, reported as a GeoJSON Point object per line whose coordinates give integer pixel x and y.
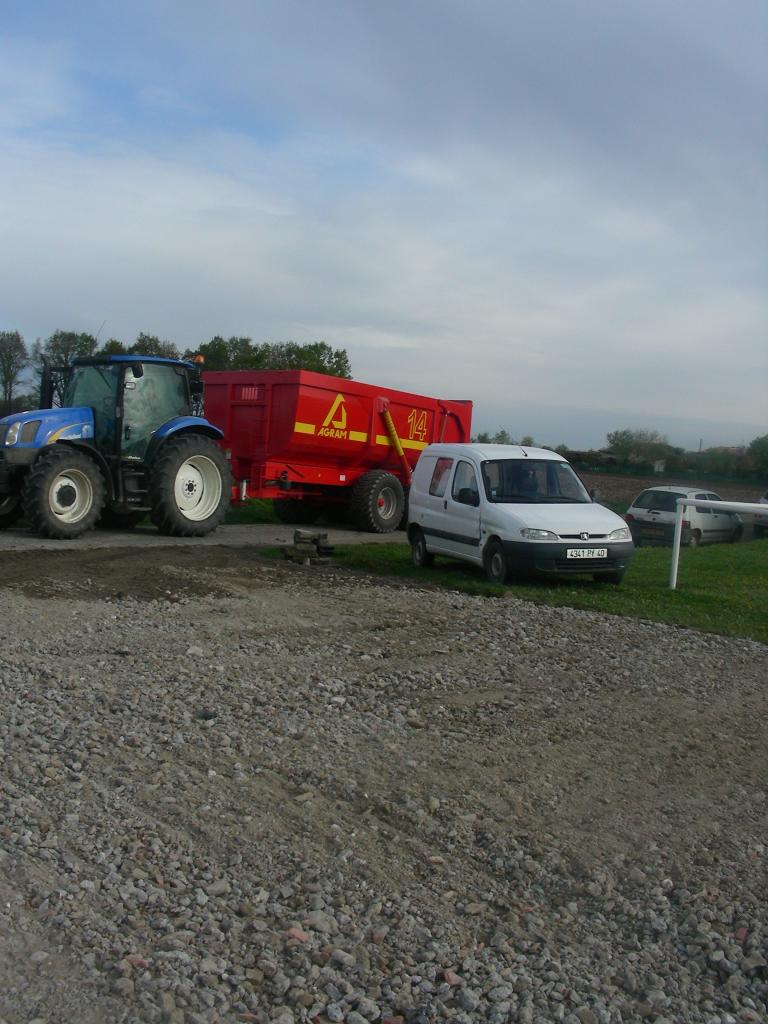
{"type": "Point", "coordinates": [662, 501]}
{"type": "Point", "coordinates": [532, 481]}
{"type": "Point", "coordinates": [91, 385]}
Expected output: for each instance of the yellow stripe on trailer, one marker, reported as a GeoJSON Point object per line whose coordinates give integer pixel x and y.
{"type": "Point", "coordinates": [357, 435]}
{"type": "Point", "coordinates": [303, 428]}
{"type": "Point", "coordinates": [415, 446]}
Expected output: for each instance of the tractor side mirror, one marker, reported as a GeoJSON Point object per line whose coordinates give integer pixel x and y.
{"type": "Point", "coordinates": [138, 370]}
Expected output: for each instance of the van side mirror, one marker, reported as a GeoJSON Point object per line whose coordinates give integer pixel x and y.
{"type": "Point", "coordinates": [138, 370]}
{"type": "Point", "coordinates": [595, 495]}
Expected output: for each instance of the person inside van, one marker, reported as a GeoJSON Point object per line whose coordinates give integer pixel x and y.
{"type": "Point", "coordinates": [528, 483]}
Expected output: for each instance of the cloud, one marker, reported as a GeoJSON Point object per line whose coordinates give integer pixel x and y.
{"type": "Point", "coordinates": [559, 212]}
{"type": "Point", "coordinates": [35, 84]}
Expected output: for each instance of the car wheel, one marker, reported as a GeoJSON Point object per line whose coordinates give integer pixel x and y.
{"type": "Point", "coordinates": [420, 557]}
{"type": "Point", "coordinates": [495, 559]}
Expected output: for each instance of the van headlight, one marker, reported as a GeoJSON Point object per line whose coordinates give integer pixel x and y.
{"type": "Point", "coordinates": [537, 534]}
{"type": "Point", "coordinates": [621, 534]}
{"type": "Point", "coordinates": [12, 435]}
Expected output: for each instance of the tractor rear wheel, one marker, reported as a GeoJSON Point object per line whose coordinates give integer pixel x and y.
{"type": "Point", "coordinates": [63, 494]}
{"type": "Point", "coordinates": [377, 502]}
{"type": "Point", "coordinates": [10, 511]}
{"type": "Point", "coordinates": [190, 486]}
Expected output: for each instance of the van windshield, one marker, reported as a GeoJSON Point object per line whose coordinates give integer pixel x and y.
{"type": "Point", "coordinates": [530, 481]}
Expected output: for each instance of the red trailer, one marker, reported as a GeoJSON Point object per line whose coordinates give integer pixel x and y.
{"type": "Point", "coordinates": [317, 444]}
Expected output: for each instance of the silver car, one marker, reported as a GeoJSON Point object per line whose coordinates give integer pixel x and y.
{"type": "Point", "coordinates": [651, 517]}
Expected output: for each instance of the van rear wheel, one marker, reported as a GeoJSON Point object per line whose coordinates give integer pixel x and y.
{"type": "Point", "coordinates": [420, 557]}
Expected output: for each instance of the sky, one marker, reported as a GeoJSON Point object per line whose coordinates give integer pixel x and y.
{"type": "Point", "coordinates": [558, 210]}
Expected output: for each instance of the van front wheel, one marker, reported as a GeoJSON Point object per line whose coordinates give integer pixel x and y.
{"type": "Point", "coordinates": [496, 565]}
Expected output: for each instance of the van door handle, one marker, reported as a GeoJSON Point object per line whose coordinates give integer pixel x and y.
{"type": "Point", "coordinates": [445, 503]}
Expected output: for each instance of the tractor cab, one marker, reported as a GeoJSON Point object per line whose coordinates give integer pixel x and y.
{"type": "Point", "coordinates": [130, 399]}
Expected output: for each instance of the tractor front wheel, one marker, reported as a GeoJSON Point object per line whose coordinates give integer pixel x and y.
{"type": "Point", "coordinates": [190, 487]}
{"type": "Point", "coordinates": [63, 494]}
{"type": "Point", "coordinates": [377, 502]}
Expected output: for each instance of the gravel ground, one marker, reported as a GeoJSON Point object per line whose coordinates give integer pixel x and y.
{"type": "Point", "coordinates": [240, 790]}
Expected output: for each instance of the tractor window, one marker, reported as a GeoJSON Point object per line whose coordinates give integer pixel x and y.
{"type": "Point", "coordinates": [96, 387]}
{"type": "Point", "coordinates": [90, 385]}
{"type": "Point", "coordinates": [149, 401]}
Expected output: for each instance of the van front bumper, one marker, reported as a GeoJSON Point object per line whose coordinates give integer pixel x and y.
{"type": "Point", "coordinates": [540, 557]}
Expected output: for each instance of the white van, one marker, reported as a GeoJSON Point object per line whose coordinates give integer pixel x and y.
{"type": "Point", "coordinates": [512, 510]}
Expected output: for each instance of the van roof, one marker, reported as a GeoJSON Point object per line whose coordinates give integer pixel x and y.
{"type": "Point", "coordinates": [486, 452]}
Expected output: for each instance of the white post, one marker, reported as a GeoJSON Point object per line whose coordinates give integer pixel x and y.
{"type": "Point", "coordinates": [676, 543]}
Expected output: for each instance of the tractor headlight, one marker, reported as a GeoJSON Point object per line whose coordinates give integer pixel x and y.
{"type": "Point", "coordinates": [537, 534]}
{"type": "Point", "coordinates": [13, 433]}
{"type": "Point", "coordinates": [621, 534]}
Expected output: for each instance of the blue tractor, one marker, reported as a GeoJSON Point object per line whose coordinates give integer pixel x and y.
{"type": "Point", "coordinates": [128, 440]}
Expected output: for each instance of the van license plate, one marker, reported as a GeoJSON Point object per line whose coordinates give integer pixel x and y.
{"type": "Point", "coordinates": [586, 552]}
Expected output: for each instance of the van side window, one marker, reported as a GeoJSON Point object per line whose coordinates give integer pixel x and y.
{"type": "Point", "coordinates": [440, 476]}
{"type": "Point", "coordinates": [465, 484]}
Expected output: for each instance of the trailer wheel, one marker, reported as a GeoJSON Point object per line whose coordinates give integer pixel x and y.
{"type": "Point", "coordinates": [10, 511]}
{"type": "Point", "coordinates": [292, 510]}
{"type": "Point", "coordinates": [190, 486]}
{"type": "Point", "coordinates": [377, 502]}
{"type": "Point", "coordinates": [63, 494]}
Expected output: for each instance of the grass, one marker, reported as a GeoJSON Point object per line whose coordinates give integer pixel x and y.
{"type": "Point", "coordinates": [252, 511]}
{"type": "Point", "coordinates": [722, 588]}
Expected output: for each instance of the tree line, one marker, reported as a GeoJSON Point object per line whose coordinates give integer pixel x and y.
{"type": "Point", "coordinates": [642, 451]}
{"type": "Point", "coordinates": [635, 450]}
{"type": "Point", "coordinates": [21, 366]}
